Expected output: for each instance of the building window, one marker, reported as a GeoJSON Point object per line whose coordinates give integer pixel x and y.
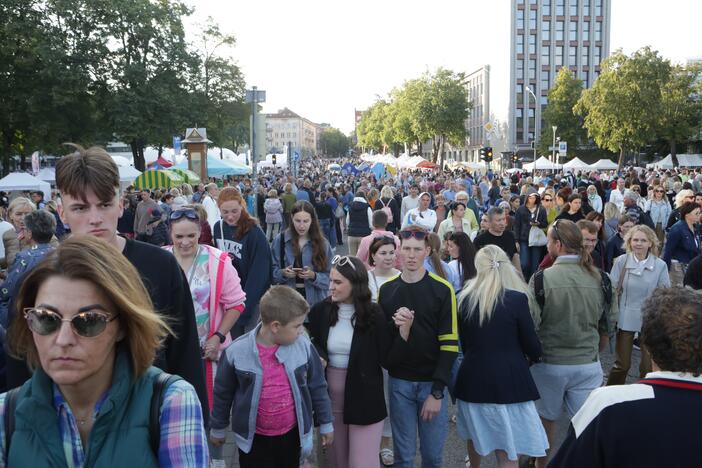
{"type": "Point", "coordinates": [545, 30]}
{"type": "Point", "coordinates": [598, 55]}
{"type": "Point", "coordinates": [532, 43]}
{"type": "Point", "coordinates": [532, 20]}
{"type": "Point", "coordinates": [559, 56]}
{"type": "Point", "coordinates": [520, 119]}
{"type": "Point", "coordinates": [586, 56]}
{"type": "Point", "coordinates": [560, 7]}
{"type": "Point", "coordinates": [533, 2]}
{"type": "Point", "coordinates": [572, 57]}
{"type": "Point", "coordinates": [546, 8]}
{"type": "Point", "coordinates": [520, 93]}
{"type": "Point", "coordinates": [598, 30]}
{"type": "Point", "coordinates": [559, 30]}
{"type": "Point", "coordinates": [598, 7]}
{"type": "Point", "coordinates": [520, 2]}
{"type": "Point", "coordinates": [520, 69]}
{"type": "Point", "coordinates": [544, 81]}
{"type": "Point", "coordinates": [532, 114]}
{"type": "Point", "coordinates": [573, 31]}
{"type": "Point", "coordinates": [586, 7]}
{"type": "Point", "coordinates": [532, 69]}
{"type": "Point", "coordinates": [520, 44]}
{"type": "Point", "coordinates": [545, 55]}
{"type": "Point", "coordinates": [543, 101]}
{"type": "Point", "coordinates": [573, 7]}
{"type": "Point", "coordinates": [520, 19]}
{"type": "Point", "coordinates": [586, 30]}
{"type": "Point", "coordinates": [586, 81]}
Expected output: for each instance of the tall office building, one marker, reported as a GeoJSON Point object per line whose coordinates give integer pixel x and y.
{"type": "Point", "coordinates": [546, 36]}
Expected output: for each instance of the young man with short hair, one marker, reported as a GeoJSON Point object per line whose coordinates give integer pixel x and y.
{"type": "Point", "coordinates": [421, 311]}
{"type": "Point", "coordinates": [497, 234]}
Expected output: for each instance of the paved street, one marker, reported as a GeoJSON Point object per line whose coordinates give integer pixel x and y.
{"type": "Point", "coordinates": [455, 448]}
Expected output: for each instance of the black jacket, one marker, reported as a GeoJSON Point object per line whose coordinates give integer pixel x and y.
{"type": "Point", "coordinates": [364, 400]}
{"type": "Point", "coordinates": [494, 367]}
{"type": "Point", "coordinates": [522, 221]}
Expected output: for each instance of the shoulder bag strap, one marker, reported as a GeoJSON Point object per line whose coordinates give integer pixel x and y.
{"type": "Point", "coordinates": [9, 419]}
{"type": "Point", "coordinates": [539, 288]}
{"type": "Point", "coordinates": [161, 384]}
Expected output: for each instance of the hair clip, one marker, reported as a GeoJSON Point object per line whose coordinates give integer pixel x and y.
{"type": "Point", "coordinates": [495, 264]}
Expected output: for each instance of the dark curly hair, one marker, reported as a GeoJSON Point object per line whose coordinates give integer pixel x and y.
{"type": "Point", "coordinates": [672, 329]}
{"type": "Point", "coordinates": [355, 271]}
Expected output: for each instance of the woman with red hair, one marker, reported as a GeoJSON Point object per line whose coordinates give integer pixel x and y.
{"type": "Point", "coordinates": [239, 235]}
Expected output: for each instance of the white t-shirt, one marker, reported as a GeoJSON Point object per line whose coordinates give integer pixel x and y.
{"type": "Point", "coordinates": [375, 281]}
{"type": "Point", "coordinates": [340, 337]}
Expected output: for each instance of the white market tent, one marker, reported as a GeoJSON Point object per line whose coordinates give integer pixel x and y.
{"type": "Point", "coordinates": [121, 161]}
{"type": "Point", "coordinates": [128, 173]}
{"type": "Point", "coordinates": [684, 160]}
{"type": "Point", "coordinates": [541, 164]}
{"type": "Point", "coordinates": [576, 164]}
{"type": "Point", "coordinates": [23, 181]}
{"type": "Point", "coordinates": [604, 165]}
{"type": "Point", "coordinates": [47, 174]}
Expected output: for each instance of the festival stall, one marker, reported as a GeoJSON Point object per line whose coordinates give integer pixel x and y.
{"type": "Point", "coordinates": [21, 181]}
{"type": "Point", "coordinates": [157, 179]}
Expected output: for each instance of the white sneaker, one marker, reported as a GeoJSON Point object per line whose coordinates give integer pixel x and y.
{"type": "Point", "coordinates": [218, 463]}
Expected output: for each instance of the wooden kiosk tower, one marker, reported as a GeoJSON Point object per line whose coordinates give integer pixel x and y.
{"type": "Point", "coordinates": [196, 145]}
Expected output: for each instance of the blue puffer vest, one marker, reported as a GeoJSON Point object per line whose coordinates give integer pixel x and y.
{"type": "Point", "coordinates": [120, 434]}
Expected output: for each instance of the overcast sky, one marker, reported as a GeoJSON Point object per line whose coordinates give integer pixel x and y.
{"type": "Point", "coordinates": [322, 59]}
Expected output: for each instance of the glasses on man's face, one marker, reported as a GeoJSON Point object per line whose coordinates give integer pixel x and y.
{"type": "Point", "coordinates": [44, 322]}
{"type": "Point", "coordinates": [343, 260]}
{"type": "Point", "coordinates": [188, 213]}
{"type": "Point", "coordinates": [419, 235]}
{"type": "Point", "coordinates": [548, 199]}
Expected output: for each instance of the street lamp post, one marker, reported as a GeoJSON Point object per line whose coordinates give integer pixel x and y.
{"type": "Point", "coordinates": [553, 148]}
{"type": "Point", "coordinates": [536, 103]}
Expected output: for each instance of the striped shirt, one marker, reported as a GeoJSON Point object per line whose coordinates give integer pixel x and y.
{"type": "Point", "coordinates": [183, 440]}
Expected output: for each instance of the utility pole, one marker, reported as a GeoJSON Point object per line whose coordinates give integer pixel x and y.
{"type": "Point", "coordinates": [553, 148]}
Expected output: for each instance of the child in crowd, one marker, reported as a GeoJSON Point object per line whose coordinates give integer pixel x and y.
{"type": "Point", "coordinates": [274, 215]}
{"type": "Point", "coordinates": [272, 378]}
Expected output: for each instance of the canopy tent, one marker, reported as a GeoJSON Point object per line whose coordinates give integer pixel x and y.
{"type": "Point", "coordinates": [161, 163]}
{"type": "Point", "coordinates": [220, 167]}
{"type": "Point", "coordinates": [47, 174]}
{"type": "Point", "coordinates": [576, 164]}
{"type": "Point", "coordinates": [541, 164]}
{"type": "Point", "coordinates": [128, 173]}
{"type": "Point", "coordinates": [604, 165]}
{"type": "Point", "coordinates": [23, 181]}
{"type": "Point", "coordinates": [684, 160]}
{"type": "Point", "coordinates": [333, 167]}
{"type": "Point", "coordinates": [121, 160]}
{"type": "Point", "coordinates": [158, 179]}
{"type": "Point", "coordinates": [188, 176]}
{"type": "Point", "coordinates": [513, 170]}
{"type": "Point", "coordinates": [426, 165]}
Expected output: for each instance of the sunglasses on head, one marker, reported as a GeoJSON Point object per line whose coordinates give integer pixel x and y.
{"type": "Point", "coordinates": [419, 235]}
{"type": "Point", "coordinates": [44, 322]}
{"type": "Point", "coordinates": [188, 213]}
{"type": "Point", "coordinates": [343, 260]}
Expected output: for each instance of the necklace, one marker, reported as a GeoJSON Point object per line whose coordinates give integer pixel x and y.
{"type": "Point", "coordinates": [83, 420]}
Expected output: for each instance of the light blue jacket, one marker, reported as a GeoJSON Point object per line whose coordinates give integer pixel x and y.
{"type": "Point", "coordinates": [237, 390]}
{"type": "Point", "coordinates": [316, 290]}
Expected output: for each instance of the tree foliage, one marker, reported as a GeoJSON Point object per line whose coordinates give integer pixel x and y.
{"type": "Point", "coordinates": [334, 142]}
{"type": "Point", "coordinates": [562, 98]}
{"type": "Point", "coordinates": [621, 109]}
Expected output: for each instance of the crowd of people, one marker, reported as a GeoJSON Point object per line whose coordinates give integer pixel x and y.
{"type": "Point", "coordinates": [192, 312]}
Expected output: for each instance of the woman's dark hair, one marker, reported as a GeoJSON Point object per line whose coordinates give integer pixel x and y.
{"type": "Point", "coordinates": [377, 243]}
{"type": "Point", "coordinates": [466, 255]}
{"type": "Point", "coordinates": [360, 295]}
{"type": "Point", "coordinates": [571, 197]}
{"type": "Point", "coordinates": [597, 216]}
{"type": "Point", "coordinates": [687, 208]}
{"type": "Point", "coordinates": [319, 243]}
{"type": "Point", "coordinates": [456, 205]}
{"type": "Point", "coordinates": [672, 329]}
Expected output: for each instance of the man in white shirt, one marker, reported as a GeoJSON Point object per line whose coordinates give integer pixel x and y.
{"type": "Point", "coordinates": [422, 215]}
{"type": "Point", "coordinates": [617, 195]}
{"type": "Point", "coordinates": [210, 205]}
{"type": "Point", "coordinates": [410, 201]}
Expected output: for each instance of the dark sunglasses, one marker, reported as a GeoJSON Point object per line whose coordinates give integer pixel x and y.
{"type": "Point", "coordinates": [548, 199]}
{"type": "Point", "coordinates": [87, 324]}
{"type": "Point", "coordinates": [188, 213]}
{"type": "Point", "coordinates": [659, 191]}
{"type": "Point", "coordinates": [419, 235]}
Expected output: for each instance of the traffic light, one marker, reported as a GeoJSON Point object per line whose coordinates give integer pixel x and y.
{"type": "Point", "coordinates": [486, 154]}
{"type": "Point", "coordinates": [273, 159]}
{"type": "Point", "coordinates": [482, 154]}
{"type": "Point", "coordinates": [515, 157]}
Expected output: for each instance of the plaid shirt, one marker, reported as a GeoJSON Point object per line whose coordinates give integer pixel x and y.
{"type": "Point", "coordinates": [183, 438]}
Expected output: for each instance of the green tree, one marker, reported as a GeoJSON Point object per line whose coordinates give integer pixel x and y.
{"type": "Point", "coordinates": [562, 98]}
{"type": "Point", "coordinates": [334, 142]}
{"type": "Point", "coordinates": [621, 108]}
{"type": "Point", "coordinates": [681, 108]}
{"type": "Point", "coordinates": [371, 127]}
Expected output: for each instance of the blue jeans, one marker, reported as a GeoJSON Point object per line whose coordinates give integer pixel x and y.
{"type": "Point", "coordinates": [530, 257]}
{"type": "Point", "coordinates": [329, 231]}
{"type": "Point", "coordinates": [406, 401]}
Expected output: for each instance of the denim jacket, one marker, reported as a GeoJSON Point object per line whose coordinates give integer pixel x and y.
{"type": "Point", "coordinates": [237, 390]}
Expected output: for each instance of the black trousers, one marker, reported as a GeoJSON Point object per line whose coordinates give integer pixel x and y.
{"type": "Point", "coordinates": [281, 451]}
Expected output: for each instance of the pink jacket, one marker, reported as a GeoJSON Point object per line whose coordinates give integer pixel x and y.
{"type": "Point", "coordinates": [363, 248]}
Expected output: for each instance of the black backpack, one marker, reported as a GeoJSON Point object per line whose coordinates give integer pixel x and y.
{"type": "Point", "coordinates": [161, 383]}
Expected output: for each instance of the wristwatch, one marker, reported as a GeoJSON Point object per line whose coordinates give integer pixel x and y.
{"type": "Point", "coordinates": [438, 394]}
{"type": "Point", "coordinates": [220, 336]}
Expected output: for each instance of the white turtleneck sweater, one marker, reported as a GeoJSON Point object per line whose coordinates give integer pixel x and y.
{"type": "Point", "coordinates": [340, 336]}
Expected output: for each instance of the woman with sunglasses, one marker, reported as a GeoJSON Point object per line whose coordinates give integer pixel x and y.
{"type": "Point", "coordinates": [302, 255]}
{"type": "Point", "coordinates": [548, 203]}
{"type": "Point", "coordinates": [218, 300]}
{"type": "Point", "coordinates": [89, 400]}
{"type": "Point", "coordinates": [658, 208]}
{"type": "Point", "coordinates": [238, 234]}
{"type": "Point", "coordinates": [351, 336]}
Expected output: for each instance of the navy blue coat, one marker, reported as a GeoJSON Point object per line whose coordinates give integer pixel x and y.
{"type": "Point", "coordinates": [495, 368]}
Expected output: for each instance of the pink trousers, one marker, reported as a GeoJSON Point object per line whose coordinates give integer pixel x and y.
{"type": "Point", "coordinates": [354, 446]}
